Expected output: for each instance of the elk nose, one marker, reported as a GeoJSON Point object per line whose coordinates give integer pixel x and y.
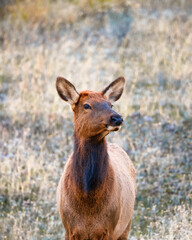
{"type": "Point", "coordinates": [116, 119]}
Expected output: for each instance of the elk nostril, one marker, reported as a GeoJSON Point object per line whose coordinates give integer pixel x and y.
{"type": "Point", "coordinates": [116, 119]}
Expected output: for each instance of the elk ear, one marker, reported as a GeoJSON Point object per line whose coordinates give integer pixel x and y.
{"type": "Point", "coordinates": [67, 91]}
{"type": "Point", "coordinates": [114, 91]}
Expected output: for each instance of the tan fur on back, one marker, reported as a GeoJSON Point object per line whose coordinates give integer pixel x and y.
{"type": "Point", "coordinates": [126, 177]}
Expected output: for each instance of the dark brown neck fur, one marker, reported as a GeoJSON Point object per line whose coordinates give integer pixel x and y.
{"type": "Point", "coordinates": [90, 164]}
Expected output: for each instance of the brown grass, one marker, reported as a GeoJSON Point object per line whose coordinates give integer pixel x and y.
{"type": "Point", "coordinates": [150, 44]}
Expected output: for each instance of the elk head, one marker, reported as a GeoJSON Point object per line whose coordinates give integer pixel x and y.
{"type": "Point", "coordinates": [93, 113]}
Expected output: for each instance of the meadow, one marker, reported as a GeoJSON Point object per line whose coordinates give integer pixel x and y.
{"type": "Point", "coordinates": [91, 43]}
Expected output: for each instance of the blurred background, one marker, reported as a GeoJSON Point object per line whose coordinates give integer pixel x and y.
{"type": "Point", "coordinates": [91, 43]}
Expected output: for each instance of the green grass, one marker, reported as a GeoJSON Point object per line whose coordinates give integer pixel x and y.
{"type": "Point", "coordinates": [150, 44]}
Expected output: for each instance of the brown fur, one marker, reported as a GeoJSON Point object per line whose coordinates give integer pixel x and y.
{"type": "Point", "coordinates": [97, 190]}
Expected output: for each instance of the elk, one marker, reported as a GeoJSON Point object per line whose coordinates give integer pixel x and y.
{"type": "Point", "coordinates": [97, 190]}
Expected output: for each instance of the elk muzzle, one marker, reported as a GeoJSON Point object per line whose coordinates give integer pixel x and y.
{"type": "Point", "coordinates": [115, 122]}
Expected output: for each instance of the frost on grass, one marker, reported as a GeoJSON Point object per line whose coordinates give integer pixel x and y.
{"type": "Point", "coordinates": [36, 129]}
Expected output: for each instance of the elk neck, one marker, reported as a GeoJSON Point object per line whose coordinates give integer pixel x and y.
{"type": "Point", "coordinates": [90, 163]}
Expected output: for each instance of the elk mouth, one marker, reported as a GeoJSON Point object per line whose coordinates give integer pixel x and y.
{"type": "Point", "coordinates": [113, 128]}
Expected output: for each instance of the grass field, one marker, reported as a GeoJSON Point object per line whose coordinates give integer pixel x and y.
{"type": "Point", "coordinates": [91, 43]}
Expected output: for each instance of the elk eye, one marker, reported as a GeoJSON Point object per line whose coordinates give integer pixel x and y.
{"type": "Point", "coordinates": [87, 106]}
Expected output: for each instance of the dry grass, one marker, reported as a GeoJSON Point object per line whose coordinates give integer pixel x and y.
{"type": "Point", "coordinates": [151, 45]}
